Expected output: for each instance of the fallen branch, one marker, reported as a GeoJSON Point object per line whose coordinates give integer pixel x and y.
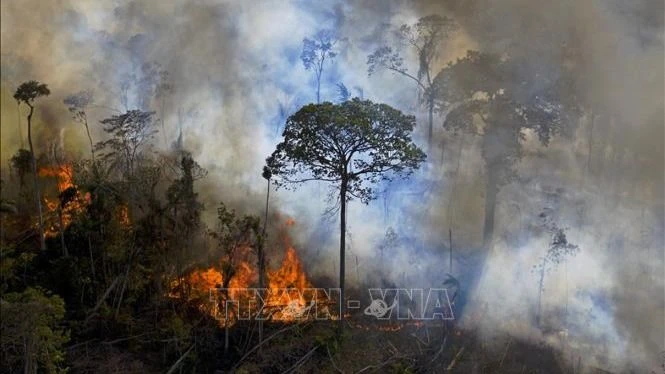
{"type": "Point", "coordinates": [443, 345]}
{"type": "Point", "coordinates": [393, 347]}
{"type": "Point", "coordinates": [333, 361]}
{"type": "Point", "coordinates": [454, 361]}
{"type": "Point", "coordinates": [111, 342]}
{"type": "Point", "coordinates": [261, 344]}
{"type": "Point", "coordinates": [177, 363]}
{"type": "Point", "coordinates": [505, 352]}
{"type": "Point", "coordinates": [302, 361]}
{"type": "Point", "coordinates": [384, 363]}
{"type": "Point", "coordinates": [101, 300]}
{"type": "Point", "coordinates": [420, 340]}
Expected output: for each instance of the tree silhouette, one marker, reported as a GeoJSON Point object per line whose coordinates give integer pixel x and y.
{"type": "Point", "coordinates": [130, 133]}
{"type": "Point", "coordinates": [353, 145]}
{"type": "Point", "coordinates": [26, 93]}
{"type": "Point", "coordinates": [559, 250]}
{"type": "Point", "coordinates": [77, 105]}
{"type": "Point", "coordinates": [315, 52]}
{"type": "Point", "coordinates": [481, 94]}
{"type": "Point", "coordinates": [424, 37]}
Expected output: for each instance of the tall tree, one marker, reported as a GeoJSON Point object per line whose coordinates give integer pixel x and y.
{"type": "Point", "coordinates": [493, 97]}
{"type": "Point", "coordinates": [315, 52]}
{"type": "Point", "coordinates": [26, 93]}
{"type": "Point", "coordinates": [184, 207]}
{"type": "Point", "coordinates": [424, 37]}
{"type": "Point", "coordinates": [559, 251]}
{"type": "Point", "coordinates": [233, 234]}
{"type": "Point", "coordinates": [260, 250]}
{"type": "Point", "coordinates": [352, 145]}
{"type": "Point", "coordinates": [77, 104]}
{"type": "Point", "coordinates": [130, 133]}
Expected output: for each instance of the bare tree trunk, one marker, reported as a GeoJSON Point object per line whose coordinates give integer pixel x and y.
{"type": "Point", "coordinates": [430, 123]}
{"type": "Point", "coordinates": [318, 83]}
{"type": "Point", "coordinates": [226, 338]}
{"type": "Point", "coordinates": [26, 357]}
{"type": "Point", "coordinates": [490, 206]}
{"type": "Point", "coordinates": [42, 242]}
{"type": "Point", "coordinates": [450, 243]}
{"type": "Point", "coordinates": [342, 247]}
{"type": "Point", "coordinates": [262, 264]}
{"type": "Point", "coordinates": [318, 90]}
{"type": "Point", "coordinates": [540, 292]}
{"type": "Point", "coordinates": [590, 144]}
{"type": "Point", "coordinates": [92, 260]}
{"type": "Point", "coordinates": [92, 147]}
{"type": "Point", "coordinates": [61, 227]}
{"type": "Point", "coordinates": [20, 131]}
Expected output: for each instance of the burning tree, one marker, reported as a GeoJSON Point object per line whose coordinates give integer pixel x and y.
{"type": "Point", "coordinates": [234, 236]}
{"type": "Point", "coordinates": [353, 145]}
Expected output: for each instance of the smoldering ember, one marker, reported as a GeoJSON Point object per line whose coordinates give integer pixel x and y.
{"type": "Point", "coordinates": [342, 186]}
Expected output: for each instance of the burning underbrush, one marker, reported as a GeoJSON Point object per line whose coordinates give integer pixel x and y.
{"type": "Point", "coordinates": [61, 210]}
{"type": "Point", "coordinates": [288, 297]}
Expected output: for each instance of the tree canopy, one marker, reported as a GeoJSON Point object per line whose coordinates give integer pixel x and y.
{"type": "Point", "coordinates": [356, 141]}
{"type": "Point", "coordinates": [28, 91]}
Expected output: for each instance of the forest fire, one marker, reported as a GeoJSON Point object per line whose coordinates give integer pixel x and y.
{"type": "Point", "coordinates": [69, 202]}
{"type": "Point", "coordinates": [284, 297]}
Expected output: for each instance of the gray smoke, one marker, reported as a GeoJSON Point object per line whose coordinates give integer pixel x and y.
{"type": "Point", "coordinates": [233, 65]}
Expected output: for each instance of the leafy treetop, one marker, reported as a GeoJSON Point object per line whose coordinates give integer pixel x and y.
{"type": "Point", "coordinates": [355, 143]}
{"type": "Point", "coordinates": [27, 92]}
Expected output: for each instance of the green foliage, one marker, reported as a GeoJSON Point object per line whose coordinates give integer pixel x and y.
{"type": "Point", "coordinates": [234, 233]}
{"type": "Point", "coordinates": [31, 334]}
{"type": "Point", "coordinates": [180, 194]}
{"type": "Point", "coordinates": [356, 142]}
{"type": "Point", "coordinates": [27, 92]}
{"type": "Point", "coordinates": [22, 162]}
{"type": "Point", "coordinates": [12, 263]}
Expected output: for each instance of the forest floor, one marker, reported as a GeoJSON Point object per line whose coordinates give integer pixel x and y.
{"type": "Point", "coordinates": [371, 346]}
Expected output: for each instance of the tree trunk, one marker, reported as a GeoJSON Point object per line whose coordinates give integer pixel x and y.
{"type": "Point", "coordinates": [540, 291]}
{"type": "Point", "coordinates": [92, 260]}
{"type": "Point", "coordinates": [318, 83]}
{"type": "Point", "coordinates": [61, 226]}
{"type": "Point", "coordinates": [342, 247]}
{"type": "Point", "coordinates": [318, 90]}
{"type": "Point", "coordinates": [92, 147]}
{"type": "Point", "coordinates": [42, 242]}
{"type": "Point", "coordinates": [450, 243]}
{"type": "Point", "coordinates": [430, 123]}
{"type": "Point", "coordinates": [490, 205]}
{"type": "Point", "coordinates": [262, 264]}
{"type": "Point", "coordinates": [18, 115]}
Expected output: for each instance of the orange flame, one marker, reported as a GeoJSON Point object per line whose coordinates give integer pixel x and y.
{"type": "Point", "coordinates": [290, 276]}
{"type": "Point", "coordinates": [64, 177]}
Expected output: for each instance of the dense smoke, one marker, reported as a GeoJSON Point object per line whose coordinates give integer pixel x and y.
{"type": "Point", "coordinates": [234, 74]}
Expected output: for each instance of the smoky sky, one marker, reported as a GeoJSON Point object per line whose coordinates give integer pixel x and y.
{"type": "Point", "coordinates": [235, 72]}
